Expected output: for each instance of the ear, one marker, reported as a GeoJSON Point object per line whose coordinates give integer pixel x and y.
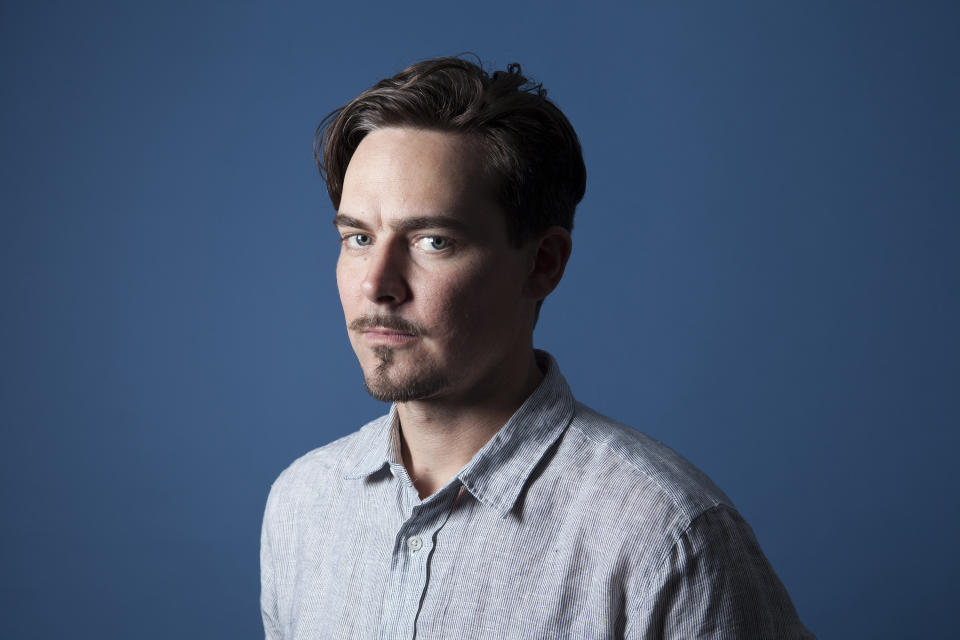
{"type": "Point", "coordinates": [549, 259]}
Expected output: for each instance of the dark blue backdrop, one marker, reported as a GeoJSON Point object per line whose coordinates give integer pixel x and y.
{"type": "Point", "coordinates": [764, 276]}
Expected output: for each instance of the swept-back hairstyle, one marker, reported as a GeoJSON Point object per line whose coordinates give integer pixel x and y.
{"type": "Point", "coordinates": [531, 150]}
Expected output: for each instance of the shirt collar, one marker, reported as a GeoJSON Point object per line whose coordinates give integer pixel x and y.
{"type": "Point", "coordinates": [498, 472]}
{"type": "Point", "coordinates": [379, 444]}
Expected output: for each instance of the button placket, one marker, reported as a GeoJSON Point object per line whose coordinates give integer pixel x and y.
{"type": "Point", "coordinates": [410, 572]}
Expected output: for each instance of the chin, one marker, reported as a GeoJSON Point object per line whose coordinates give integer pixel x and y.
{"type": "Point", "coordinates": [403, 390]}
{"type": "Point", "coordinates": [387, 381]}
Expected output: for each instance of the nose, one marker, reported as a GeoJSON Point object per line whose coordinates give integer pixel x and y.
{"type": "Point", "coordinates": [385, 281]}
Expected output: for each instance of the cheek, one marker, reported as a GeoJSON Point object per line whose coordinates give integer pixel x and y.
{"type": "Point", "coordinates": [444, 304]}
{"type": "Point", "coordinates": [445, 301]}
{"type": "Point", "coordinates": [347, 285]}
{"type": "Point", "coordinates": [473, 306]}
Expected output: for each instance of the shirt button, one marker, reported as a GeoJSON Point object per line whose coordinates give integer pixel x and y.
{"type": "Point", "coordinates": [414, 543]}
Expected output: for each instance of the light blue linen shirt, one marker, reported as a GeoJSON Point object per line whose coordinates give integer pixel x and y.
{"type": "Point", "coordinates": [569, 525]}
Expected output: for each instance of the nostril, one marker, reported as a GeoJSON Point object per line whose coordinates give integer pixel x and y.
{"type": "Point", "coordinates": [385, 289]}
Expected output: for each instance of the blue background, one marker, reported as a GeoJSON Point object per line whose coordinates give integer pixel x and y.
{"type": "Point", "coordinates": [765, 276]}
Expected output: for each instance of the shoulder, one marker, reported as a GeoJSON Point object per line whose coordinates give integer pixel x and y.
{"type": "Point", "coordinates": [616, 455]}
{"type": "Point", "coordinates": [319, 469]}
{"type": "Point", "coordinates": [697, 564]}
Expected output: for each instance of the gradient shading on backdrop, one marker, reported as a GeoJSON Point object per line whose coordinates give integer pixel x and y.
{"type": "Point", "coordinates": [765, 276]}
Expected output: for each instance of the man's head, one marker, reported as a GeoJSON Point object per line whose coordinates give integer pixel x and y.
{"type": "Point", "coordinates": [455, 194]}
{"type": "Point", "coordinates": [528, 148]}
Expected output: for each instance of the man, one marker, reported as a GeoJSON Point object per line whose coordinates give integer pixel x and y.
{"type": "Point", "coordinates": [488, 503]}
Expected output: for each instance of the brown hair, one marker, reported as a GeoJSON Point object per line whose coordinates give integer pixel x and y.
{"type": "Point", "coordinates": [531, 149]}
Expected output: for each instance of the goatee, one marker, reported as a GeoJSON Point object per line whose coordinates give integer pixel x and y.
{"type": "Point", "coordinates": [417, 385]}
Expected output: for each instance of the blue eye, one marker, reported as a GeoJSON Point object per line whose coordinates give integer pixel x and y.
{"type": "Point", "coordinates": [433, 243]}
{"type": "Point", "coordinates": [359, 239]}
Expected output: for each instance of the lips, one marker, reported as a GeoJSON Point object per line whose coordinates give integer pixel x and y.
{"type": "Point", "coordinates": [387, 337]}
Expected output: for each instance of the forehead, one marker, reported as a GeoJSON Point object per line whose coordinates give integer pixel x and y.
{"type": "Point", "coordinates": [396, 171]}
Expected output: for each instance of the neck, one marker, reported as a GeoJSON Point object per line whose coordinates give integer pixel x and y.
{"type": "Point", "coordinates": [439, 436]}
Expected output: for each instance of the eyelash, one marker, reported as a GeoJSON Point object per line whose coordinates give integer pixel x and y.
{"type": "Point", "coordinates": [346, 239]}
{"type": "Point", "coordinates": [446, 243]}
{"type": "Point", "coordinates": [349, 239]}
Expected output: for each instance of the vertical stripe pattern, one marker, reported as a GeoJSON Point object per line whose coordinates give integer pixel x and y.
{"type": "Point", "coordinates": [565, 525]}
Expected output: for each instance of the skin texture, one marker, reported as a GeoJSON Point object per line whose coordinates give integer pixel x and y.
{"type": "Point", "coordinates": [438, 303]}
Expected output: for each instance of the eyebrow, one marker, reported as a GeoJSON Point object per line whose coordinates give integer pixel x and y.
{"type": "Point", "coordinates": [407, 224]}
{"type": "Point", "coordinates": [341, 220]}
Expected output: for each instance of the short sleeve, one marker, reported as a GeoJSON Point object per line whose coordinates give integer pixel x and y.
{"type": "Point", "coordinates": [716, 583]}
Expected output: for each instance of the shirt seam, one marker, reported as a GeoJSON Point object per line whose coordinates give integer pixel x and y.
{"type": "Point", "coordinates": [633, 614]}
{"type": "Point", "coordinates": [673, 497]}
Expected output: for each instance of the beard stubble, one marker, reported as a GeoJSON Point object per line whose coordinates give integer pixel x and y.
{"type": "Point", "coordinates": [418, 384]}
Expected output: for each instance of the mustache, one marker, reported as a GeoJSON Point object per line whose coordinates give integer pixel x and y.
{"type": "Point", "coordinates": [394, 323]}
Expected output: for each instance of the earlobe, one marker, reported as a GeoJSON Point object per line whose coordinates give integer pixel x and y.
{"type": "Point", "coordinates": [549, 262]}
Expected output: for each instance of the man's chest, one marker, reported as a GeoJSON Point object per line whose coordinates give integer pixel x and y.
{"type": "Point", "coordinates": [378, 567]}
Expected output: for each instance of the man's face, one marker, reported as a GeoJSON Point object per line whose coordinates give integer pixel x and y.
{"type": "Point", "coordinates": [431, 287]}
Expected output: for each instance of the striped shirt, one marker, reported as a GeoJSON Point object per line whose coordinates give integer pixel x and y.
{"type": "Point", "coordinates": [566, 524]}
